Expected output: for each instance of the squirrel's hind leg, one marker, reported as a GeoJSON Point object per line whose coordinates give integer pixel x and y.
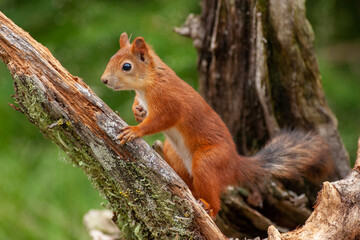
{"type": "Point", "coordinates": [209, 180]}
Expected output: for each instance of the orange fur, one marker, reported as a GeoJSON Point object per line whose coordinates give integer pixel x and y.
{"type": "Point", "coordinates": [199, 147]}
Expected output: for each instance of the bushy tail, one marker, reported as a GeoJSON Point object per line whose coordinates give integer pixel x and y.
{"type": "Point", "coordinates": [296, 154]}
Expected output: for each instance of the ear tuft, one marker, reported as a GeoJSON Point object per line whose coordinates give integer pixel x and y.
{"type": "Point", "coordinates": [140, 47]}
{"type": "Point", "coordinates": [124, 40]}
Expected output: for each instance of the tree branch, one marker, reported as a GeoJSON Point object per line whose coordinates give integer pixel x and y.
{"type": "Point", "coordinates": [147, 196]}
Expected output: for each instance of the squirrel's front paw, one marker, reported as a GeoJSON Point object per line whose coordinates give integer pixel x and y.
{"type": "Point", "coordinates": [128, 134]}
{"type": "Point", "coordinates": [140, 113]}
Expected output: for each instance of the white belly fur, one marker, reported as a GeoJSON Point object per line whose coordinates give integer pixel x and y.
{"type": "Point", "coordinates": [177, 142]}
{"type": "Point", "coordinates": [141, 99]}
{"type": "Point", "coordinates": [173, 135]}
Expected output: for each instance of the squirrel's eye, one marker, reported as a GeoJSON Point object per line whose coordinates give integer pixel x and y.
{"type": "Point", "coordinates": [126, 67]}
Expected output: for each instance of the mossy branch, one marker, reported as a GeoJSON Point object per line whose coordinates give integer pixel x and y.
{"type": "Point", "coordinates": [148, 198]}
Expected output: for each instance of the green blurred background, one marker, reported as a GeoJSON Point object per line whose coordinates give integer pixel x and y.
{"type": "Point", "coordinates": [41, 197]}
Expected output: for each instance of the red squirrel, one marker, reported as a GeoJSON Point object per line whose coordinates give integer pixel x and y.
{"type": "Point", "coordinates": [198, 145]}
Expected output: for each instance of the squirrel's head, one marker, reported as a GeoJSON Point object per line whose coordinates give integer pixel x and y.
{"type": "Point", "coordinates": [131, 67]}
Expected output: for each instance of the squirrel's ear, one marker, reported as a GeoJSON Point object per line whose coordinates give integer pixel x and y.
{"type": "Point", "coordinates": [140, 48]}
{"type": "Point", "coordinates": [124, 40]}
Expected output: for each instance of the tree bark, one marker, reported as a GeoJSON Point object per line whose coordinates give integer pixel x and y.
{"type": "Point", "coordinates": [258, 70]}
{"type": "Point", "coordinates": [148, 198]}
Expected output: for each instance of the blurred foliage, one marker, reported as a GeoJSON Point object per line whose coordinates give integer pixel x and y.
{"type": "Point", "coordinates": [334, 20]}
{"type": "Point", "coordinates": [41, 198]}
{"type": "Point", "coordinates": [337, 42]}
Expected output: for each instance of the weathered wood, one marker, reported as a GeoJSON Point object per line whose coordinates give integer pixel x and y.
{"type": "Point", "coordinates": [336, 214]}
{"type": "Point", "coordinates": [148, 198]}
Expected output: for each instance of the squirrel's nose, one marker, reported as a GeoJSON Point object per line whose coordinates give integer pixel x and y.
{"type": "Point", "coordinates": [104, 80]}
